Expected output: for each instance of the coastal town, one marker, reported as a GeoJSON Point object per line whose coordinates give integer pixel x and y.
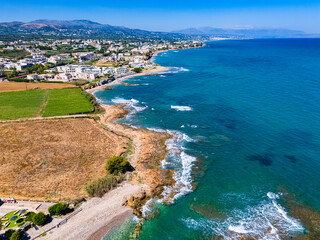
{"type": "Point", "coordinates": [68, 60]}
{"type": "Point", "coordinates": [160, 120]}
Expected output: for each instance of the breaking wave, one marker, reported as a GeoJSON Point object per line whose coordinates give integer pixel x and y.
{"type": "Point", "coordinates": [176, 70]}
{"type": "Point", "coordinates": [181, 108]}
{"type": "Point", "coordinates": [265, 221]}
{"type": "Point", "coordinates": [181, 162]}
{"type": "Point", "coordinates": [134, 105]}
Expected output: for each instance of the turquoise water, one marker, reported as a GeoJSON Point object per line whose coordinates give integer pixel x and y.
{"type": "Point", "coordinates": [246, 118]}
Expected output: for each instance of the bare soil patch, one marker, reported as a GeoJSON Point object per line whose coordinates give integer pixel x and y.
{"type": "Point", "coordinates": [54, 159]}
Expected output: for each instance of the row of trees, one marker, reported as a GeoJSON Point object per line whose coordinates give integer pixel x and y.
{"type": "Point", "coordinates": [13, 235]}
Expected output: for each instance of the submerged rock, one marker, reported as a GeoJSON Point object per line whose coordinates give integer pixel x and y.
{"type": "Point", "coordinates": [265, 159]}
{"type": "Point", "coordinates": [292, 158]}
{"type": "Point", "coordinates": [207, 211]}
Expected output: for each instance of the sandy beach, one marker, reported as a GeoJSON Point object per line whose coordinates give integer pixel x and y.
{"type": "Point", "coordinates": [97, 214]}
{"type": "Point", "coordinates": [153, 70]}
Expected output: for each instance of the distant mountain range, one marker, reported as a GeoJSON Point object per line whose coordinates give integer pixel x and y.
{"type": "Point", "coordinates": [245, 33]}
{"type": "Point", "coordinates": [86, 28]}
{"type": "Point", "coordinates": [80, 28]}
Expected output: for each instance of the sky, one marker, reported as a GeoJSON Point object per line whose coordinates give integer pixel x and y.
{"type": "Point", "coordinates": [169, 15]}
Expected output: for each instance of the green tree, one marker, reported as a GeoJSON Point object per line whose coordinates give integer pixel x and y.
{"type": "Point", "coordinates": [9, 233]}
{"type": "Point", "coordinates": [57, 209]}
{"type": "Point", "coordinates": [17, 235]}
{"type": "Point", "coordinates": [137, 70]}
{"type": "Point", "coordinates": [30, 216]}
{"type": "Point", "coordinates": [39, 219]}
{"type": "Point", "coordinates": [117, 164]}
{"type": "Point", "coordinates": [14, 73]}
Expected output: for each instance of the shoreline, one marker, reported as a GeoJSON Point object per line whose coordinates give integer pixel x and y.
{"type": "Point", "coordinates": [146, 162]}
{"type": "Point", "coordinates": [121, 113]}
{"type": "Point", "coordinates": [156, 69]}
{"type": "Point", "coordinates": [101, 215]}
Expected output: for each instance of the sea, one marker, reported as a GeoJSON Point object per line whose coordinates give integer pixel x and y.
{"type": "Point", "coordinates": [246, 153]}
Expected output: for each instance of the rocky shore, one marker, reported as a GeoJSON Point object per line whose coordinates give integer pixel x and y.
{"type": "Point", "coordinates": [145, 182]}
{"type": "Point", "coordinates": [100, 215]}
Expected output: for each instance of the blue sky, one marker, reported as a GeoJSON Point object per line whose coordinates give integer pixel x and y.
{"type": "Point", "coordinates": [167, 15]}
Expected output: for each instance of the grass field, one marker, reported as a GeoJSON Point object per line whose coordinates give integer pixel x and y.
{"type": "Point", "coordinates": [65, 102]}
{"type": "Point", "coordinates": [20, 104]}
{"type": "Point", "coordinates": [37, 103]}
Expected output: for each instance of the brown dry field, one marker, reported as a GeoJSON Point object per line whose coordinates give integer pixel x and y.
{"type": "Point", "coordinates": [103, 63]}
{"type": "Point", "coordinates": [21, 86]}
{"type": "Point", "coordinates": [54, 159]}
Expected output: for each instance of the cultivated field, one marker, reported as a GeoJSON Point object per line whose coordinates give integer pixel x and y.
{"type": "Point", "coordinates": [22, 86]}
{"type": "Point", "coordinates": [37, 103]}
{"type": "Point", "coordinates": [21, 104]}
{"type": "Point", "coordinates": [65, 102]}
{"type": "Point", "coordinates": [54, 159]}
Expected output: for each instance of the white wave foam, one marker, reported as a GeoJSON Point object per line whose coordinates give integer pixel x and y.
{"type": "Point", "coordinates": [238, 229]}
{"type": "Point", "coordinates": [272, 195]}
{"type": "Point", "coordinates": [146, 208]}
{"type": "Point", "coordinates": [187, 138]}
{"type": "Point", "coordinates": [124, 101]}
{"type": "Point", "coordinates": [176, 70]}
{"type": "Point", "coordinates": [182, 163]}
{"type": "Point", "coordinates": [181, 108]}
{"type": "Point", "coordinates": [133, 104]}
{"type": "Point", "coordinates": [265, 221]}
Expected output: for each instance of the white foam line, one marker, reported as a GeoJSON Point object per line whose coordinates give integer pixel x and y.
{"type": "Point", "coordinates": [133, 104]}
{"type": "Point", "coordinates": [265, 221]}
{"type": "Point", "coordinates": [181, 108]}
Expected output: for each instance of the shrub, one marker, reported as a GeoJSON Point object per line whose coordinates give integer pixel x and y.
{"type": "Point", "coordinates": [57, 209]}
{"type": "Point", "coordinates": [137, 70]}
{"type": "Point", "coordinates": [39, 219]}
{"type": "Point", "coordinates": [117, 164]}
{"type": "Point", "coordinates": [80, 82]}
{"type": "Point", "coordinates": [17, 235]}
{"type": "Point", "coordinates": [93, 100]}
{"type": "Point", "coordinates": [100, 186]}
{"type": "Point", "coordinates": [19, 80]}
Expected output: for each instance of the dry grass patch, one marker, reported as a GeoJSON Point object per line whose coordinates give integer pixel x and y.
{"type": "Point", "coordinates": [22, 86]}
{"type": "Point", "coordinates": [54, 159]}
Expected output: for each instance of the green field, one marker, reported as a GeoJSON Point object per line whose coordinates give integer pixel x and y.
{"type": "Point", "coordinates": [65, 102]}
{"type": "Point", "coordinates": [20, 104]}
{"type": "Point", "coordinates": [45, 103]}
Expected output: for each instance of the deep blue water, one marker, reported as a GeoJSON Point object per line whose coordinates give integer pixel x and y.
{"type": "Point", "coordinates": [251, 108]}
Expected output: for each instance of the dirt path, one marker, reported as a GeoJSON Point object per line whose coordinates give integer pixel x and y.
{"type": "Point", "coordinates": [44, 103]}
{"type": "Point", "coordinates": [43, 118]}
